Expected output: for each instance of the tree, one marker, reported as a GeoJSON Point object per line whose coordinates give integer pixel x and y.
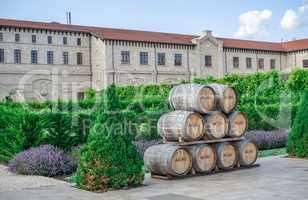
{"type": "Point", "coordinates": [109, 159]}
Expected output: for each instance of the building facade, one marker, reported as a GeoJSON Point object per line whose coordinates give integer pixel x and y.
{"type": "Point", "coordinates": [61, 61]}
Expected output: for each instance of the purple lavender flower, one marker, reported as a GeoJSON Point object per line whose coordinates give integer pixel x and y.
{"type": "Point", "coordinates": [45, 160]}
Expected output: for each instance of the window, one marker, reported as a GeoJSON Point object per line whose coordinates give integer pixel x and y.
{"type": "Point", "coordinates": [79, 58]}
{"type": "Point", "coordinates": [125, 59]}
{"type": "Point", "coordinates": [261, 63]}
{"type": "Point", "coordinates": [144, 58]}
{"type": "Point", "coordinates": [1, 37]}
{"type": "Point", "coordinates": [248, 63]}
{"type": "Point", "coordinates": [49, 57]}
{"type": "Point", "coordinates": [49, 38]}
{"type": "Point", "coordinates": [1, 55]}
{"type": "Point", "coordinates": [17, 56]}
{"type": "Point", "coordinates": [80, 96]}
{"type": "Point", "coordinates": [33, 56]}
{"type": "Point", "coordinates": [79, 41]}
{"type": "Point", "coordinates": [273, 63]}
{"type": "Point", "coordinates": [33, 38]}
{"type": "Point", "coordinates": [178, 59]}
{"type": "Point", "coordinates": [305, 63]}
{"type": "Point", "coordinates": [65, 58]}
{"type": "Point", "coordinates": [208, 61]}
{"type": "Point", "coordinates": [64, 40]}
{"type": "Point", "coordinates": [236, 62]}
{"type": "Point", "coordinates": [161, 58]}
{"type": "Point", "coordinates": [17, 37]}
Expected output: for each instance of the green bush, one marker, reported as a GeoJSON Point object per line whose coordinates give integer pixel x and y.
{"type": "Point", "coordinates": [109, 159]}
{"type": "Point", "coordinates": [298, 138]}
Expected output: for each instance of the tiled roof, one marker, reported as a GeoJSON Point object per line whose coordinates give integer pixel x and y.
{"type": "Point", "coordinates": [146, 36]}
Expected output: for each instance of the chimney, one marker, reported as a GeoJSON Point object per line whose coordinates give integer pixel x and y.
{"type": "Point", "coordinates": [207, 33]}
{"type": "Point", "coordinates": [68, 18]}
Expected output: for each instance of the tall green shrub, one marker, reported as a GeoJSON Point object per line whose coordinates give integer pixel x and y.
{"type": "Point", "coordinates": [298, 138]}
{"type": "Point", "coordinates": [109, 159]}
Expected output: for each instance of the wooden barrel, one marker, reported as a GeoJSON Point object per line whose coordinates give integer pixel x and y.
{"type": "Point", "coordinates": [192, 97]}
{"type": "Point", "coordinates": [181, 125]}
{"type": "Point", "coordinates": [204, 158]}
{"type": "Point", "coordinates": [238, 124]}
{"type": "Point", "coordinates": [166, 159]}
{"type": "Point", "coordinates": [216, 125]}
{"type": "Point", "coordinates": [226, 155]}
{"type": "Point", "coordinates": [247, 152]}
{"type": "Point", "coordinates": [226, 97]}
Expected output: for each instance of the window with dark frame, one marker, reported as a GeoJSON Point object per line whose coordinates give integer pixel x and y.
{"type": "Point", "coordinates": [161, 59]}
{"type": "Point", "coordinates": [33, 38]}
{"type": "Point", "coordinates": [273, 63]}
{"type": "Point", "coordinates": [144, 58]}
{"type": "Point", "coordinates": [261, 63]}
{"type": "Point", "coordinates": [17, 37]}
{"type": "Point", "coordinates": [17, 56]}
{"type": "Point", "coordinates": [33, 56]}
{"type": "Point", "coordinates": [305, 63]}
{"type": "Point", "coordinates": [1, 55]}
{"type": "Point", "coordinates": [178, 59]}
{"type": "Point", "coordinates": [65, 58]}
{"type": "Point", "coordinates": [79, 58]}
{"type": "Point", "coordinates": [248, 63]}
{"type": "Point", "coordinates": [208, 61]}
{"type": "Point", "coordinates": [236, 62]}
{"type": "Point", "coordinates": [49, 38]}
{"type": "Point", "coordinates": [79, 41]}
{"type": "Point", "coordinates": [1, 37]}
{"type": "Point", "coordinates": [50, 57]}
{"type": "Point", "coordinates": [125, 57]}
{"type": "Point", "coordinates": [64, 40]}
{"type": "Point", "coordinates": [80, 96]}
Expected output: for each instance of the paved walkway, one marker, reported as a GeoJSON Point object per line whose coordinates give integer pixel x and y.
{"type": "Point", "coordinates": [277, 178]}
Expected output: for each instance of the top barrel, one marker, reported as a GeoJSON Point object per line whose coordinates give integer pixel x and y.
{"type": "Point", "coordinates": [225, 96]}
{"type": "Point", "coordinates": [192, 97]}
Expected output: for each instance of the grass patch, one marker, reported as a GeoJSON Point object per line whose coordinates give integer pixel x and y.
{"type": "Point", "coordinates": [273, 152]}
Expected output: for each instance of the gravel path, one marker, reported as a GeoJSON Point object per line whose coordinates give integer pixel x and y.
{"type": "Point", "coordinates": [13, 182]}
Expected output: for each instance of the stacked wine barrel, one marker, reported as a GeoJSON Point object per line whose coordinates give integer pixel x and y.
{"type": "Point", "coordinates": [203, 135]}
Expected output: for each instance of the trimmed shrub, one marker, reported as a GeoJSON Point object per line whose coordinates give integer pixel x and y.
{"type": "Point", "coordinates": [109, 159]}
{"type": "Point", "coordinates": [45, 160]}
{"type": "Point", "coordinates": [298, 139]}
{"type": "Point", "coordinates": [269, 139]}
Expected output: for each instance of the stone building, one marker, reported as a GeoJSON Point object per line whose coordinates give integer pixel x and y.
{"type": "Point", "coordinates": [60, 60]}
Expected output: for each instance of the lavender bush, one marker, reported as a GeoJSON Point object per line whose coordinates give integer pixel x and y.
{"type": "Point", "coordinates": [45, 160]}
{"type": "Point", "coordinates": [269, 139]}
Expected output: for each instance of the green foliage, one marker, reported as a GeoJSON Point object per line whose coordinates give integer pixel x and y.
{"type": "Point", "coordinates": [298, 138]}
{"type": "Point", "coordinates": [90, 93]}
{"type": "Point", "coordinates": [109, 159]}
{"type": "Point", "coordinates": [32, 129]}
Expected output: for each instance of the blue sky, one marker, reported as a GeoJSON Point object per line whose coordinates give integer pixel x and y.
{"type": "Point", "coordinates": [247, 19]}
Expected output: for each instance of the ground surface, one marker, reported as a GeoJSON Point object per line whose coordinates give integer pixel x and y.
{"type": "Point", "coordinates": [276, 178]}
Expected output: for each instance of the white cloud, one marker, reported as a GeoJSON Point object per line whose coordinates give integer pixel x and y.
{"type": "Point", "coordinates": [252, 23]}
{"type": "Point", "coordinates": [293, 19]}
{"type": "Point", "coordinates": [303, 8]}
{"type": "Point", "coordinates": [290, 20]}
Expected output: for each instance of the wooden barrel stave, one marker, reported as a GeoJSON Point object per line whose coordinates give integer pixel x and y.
{"type": "Point", "coordinates": [238, 124]}
{"type": "Point", "coordinates": [247, 152]}
{"type": "Point", "coordinates": [186, 125]}
{"type": "Point", "coordinates": [227, 156]}
{"type": "Point", "coordinates": [168, 159]}
{"type": "Point", "coordinates": [192, 97]}
{"type": "Point", "coordinates": [216, 125]}
{"type": "Point", "coordinates": [204, 158]}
